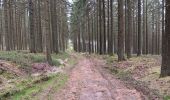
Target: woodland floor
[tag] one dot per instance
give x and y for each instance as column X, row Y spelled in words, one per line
column 84, row 77
column 88, row 81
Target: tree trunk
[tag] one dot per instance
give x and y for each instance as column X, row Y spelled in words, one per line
column 130, row 35
column 31, row 22
column 48, row 34
column 147, row 36
column 121, row 31
column 165, row 69
column 139, row 30
column 39, row 36
column 144, row 27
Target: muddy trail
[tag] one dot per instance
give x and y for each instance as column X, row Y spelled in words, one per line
column 89, row 81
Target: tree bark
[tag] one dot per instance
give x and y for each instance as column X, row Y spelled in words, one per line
column 121, row 31
column 130, row 35
column 165, row 69
column 139, row 30
column 48, row 34
column 32, row 30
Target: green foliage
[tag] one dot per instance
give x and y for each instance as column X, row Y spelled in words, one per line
column 110, row 59
column 26, row 59
column 167, row 98
column 61, row 55
column 22, row 58
column 26, row 89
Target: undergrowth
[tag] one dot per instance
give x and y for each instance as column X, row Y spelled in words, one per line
column 25, row 58
column 145, row 68
column 167, row 98
column 27, row 89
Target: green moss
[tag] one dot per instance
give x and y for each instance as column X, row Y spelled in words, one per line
column 58, row 85
column 27, row 89
column 25, row 94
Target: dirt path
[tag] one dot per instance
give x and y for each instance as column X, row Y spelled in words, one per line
column 88, row 81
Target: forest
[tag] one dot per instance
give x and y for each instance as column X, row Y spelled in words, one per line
column 84, row 49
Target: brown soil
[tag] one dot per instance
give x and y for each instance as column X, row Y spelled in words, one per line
column 89, row 81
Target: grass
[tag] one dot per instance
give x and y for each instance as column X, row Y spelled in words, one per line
column 61, row 55
column 28, row 89
column 24, row 58
column 110, row 59
column 167, row 98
